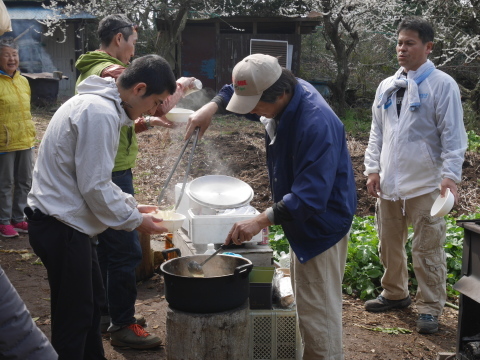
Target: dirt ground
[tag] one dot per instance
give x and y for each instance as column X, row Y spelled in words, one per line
column 236, row 148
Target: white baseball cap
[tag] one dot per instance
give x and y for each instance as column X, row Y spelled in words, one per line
column 251, row 77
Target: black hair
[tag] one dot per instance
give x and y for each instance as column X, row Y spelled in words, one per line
column 152, row 70
column 111, row 25
column 418, row 24
column 285, row 84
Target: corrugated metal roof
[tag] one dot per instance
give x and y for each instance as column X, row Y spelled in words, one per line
column 39, row 13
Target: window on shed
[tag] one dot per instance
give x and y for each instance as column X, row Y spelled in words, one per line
column 276, row 48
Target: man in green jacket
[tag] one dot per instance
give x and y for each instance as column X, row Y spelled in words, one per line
column 119, row 252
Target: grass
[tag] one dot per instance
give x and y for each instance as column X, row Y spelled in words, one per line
column 357, row 122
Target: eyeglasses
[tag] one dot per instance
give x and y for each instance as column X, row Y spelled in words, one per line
column 135, row 27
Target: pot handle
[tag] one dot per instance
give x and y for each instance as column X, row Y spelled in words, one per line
column 168, row 251
column 243, row 270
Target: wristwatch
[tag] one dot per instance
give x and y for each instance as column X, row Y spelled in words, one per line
column 147, row 121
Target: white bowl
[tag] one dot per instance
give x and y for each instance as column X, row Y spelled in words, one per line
column 443, row 205
column 172, row 223
column 179, row 115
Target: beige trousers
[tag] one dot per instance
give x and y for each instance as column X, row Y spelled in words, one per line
column 428, row 254
column 317, row 286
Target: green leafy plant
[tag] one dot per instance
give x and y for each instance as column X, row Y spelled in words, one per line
column 473, row 141
column 363, row 270
column 278, row 241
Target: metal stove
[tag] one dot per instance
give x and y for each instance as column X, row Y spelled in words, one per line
column 468, row 333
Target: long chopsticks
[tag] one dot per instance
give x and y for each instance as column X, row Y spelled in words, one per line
column 162, row 193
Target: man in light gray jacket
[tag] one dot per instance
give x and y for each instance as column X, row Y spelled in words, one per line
column 415, row 152
column 73, row 197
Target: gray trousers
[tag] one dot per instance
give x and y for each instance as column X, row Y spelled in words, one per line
column 15, row 182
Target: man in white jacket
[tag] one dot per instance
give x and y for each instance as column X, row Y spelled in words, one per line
column 73, row 197
column 415, row 152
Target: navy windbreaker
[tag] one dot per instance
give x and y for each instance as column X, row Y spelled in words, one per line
column 310, row 169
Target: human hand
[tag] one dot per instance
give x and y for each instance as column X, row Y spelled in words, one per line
column 201, row 118
column 149, row 226
column 449, row 183
column 186, row 82
column 373, row 185
column 147, row 208
column 162, row 121
column 245, row 230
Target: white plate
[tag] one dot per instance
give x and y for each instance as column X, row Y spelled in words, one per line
column 220, row 192
column 179, row 115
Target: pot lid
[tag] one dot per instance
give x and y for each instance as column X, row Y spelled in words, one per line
column 220, row 191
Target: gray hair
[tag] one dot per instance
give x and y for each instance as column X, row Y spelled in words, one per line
column 8, row 42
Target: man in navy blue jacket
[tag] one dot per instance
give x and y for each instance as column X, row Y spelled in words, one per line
column 312, row 184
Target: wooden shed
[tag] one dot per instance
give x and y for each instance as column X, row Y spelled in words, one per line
column 40, row 54
column 210, row 48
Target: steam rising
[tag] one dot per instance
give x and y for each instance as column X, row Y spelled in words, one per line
column 33, row 56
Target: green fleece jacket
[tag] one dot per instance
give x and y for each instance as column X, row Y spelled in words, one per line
column 93, row 63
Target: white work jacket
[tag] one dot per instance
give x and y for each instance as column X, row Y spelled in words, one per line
column 72, row 175
column 413, row 151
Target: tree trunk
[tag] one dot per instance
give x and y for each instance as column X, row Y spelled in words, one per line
column 214, row 336
column 146, row 269
column 475, row 98
column 334, row 33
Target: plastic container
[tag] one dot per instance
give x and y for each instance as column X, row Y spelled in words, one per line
column 172, row 221
column 179, row 115
column 443, row 205
column 197, row 85
column 284, row 260
column 169, row 245
column 264, row 237
column 261, row 290
column 204, row 229
column 210, row 249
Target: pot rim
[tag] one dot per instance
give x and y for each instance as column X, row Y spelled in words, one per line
column 247, row 262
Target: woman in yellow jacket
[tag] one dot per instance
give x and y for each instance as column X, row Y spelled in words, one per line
column 17, row 137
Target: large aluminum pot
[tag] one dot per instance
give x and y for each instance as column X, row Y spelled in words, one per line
column 224, row 287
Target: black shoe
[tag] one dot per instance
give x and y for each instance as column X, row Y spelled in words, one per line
column 381, row 304
column 427, row 324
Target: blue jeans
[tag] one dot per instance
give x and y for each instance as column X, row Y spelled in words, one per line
column 119, row 253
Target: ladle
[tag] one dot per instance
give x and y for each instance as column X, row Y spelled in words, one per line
column 196, row 269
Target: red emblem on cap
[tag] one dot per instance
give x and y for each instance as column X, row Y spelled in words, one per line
column 241, row 82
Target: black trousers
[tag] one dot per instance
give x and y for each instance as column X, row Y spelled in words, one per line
column 76, row 286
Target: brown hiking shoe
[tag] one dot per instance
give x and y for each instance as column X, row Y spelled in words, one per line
column 135, row 337
column 381, row 304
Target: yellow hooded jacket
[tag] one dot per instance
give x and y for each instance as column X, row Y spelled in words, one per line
column 17, row 130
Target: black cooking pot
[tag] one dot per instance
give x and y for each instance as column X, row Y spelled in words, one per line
column 224, row 287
